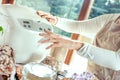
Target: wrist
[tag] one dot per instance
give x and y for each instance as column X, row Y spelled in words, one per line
column 80, row 45
column 77, row 45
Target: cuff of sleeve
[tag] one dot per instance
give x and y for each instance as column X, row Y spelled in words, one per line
column 59, row 21
column 85, row 51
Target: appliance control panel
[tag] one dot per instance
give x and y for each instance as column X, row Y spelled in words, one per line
column 39, row 26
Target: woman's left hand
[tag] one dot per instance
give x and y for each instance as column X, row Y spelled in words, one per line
column 49, row 17
column 58, row 41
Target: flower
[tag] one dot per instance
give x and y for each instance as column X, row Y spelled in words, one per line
column 83, row 76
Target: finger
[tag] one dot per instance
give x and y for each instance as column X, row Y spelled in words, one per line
column 39, row 12
column 50, row 18
column 43, row 35
column 50, row 46
column 51, row 34
column 44, row 41
column 42, row 13
column 48, row 32
column 49, row 41
column 45, row 16
column 53, row 46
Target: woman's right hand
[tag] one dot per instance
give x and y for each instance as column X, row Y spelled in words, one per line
column 58, row 41
column 50, row 18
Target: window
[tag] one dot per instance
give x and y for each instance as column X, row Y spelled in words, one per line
column 63, row 8
column 0, row 1
column 105, row 7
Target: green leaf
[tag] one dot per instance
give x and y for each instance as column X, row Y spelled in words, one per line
column 1, row 29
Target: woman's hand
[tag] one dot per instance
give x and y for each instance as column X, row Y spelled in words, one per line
column 52, row 19
column 58, row 41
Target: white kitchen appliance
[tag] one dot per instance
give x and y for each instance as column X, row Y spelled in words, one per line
column 23, row 33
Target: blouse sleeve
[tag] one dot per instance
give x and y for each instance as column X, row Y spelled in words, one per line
column 85, row 27
column 100, row 56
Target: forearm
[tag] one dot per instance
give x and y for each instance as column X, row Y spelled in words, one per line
column 86, row 27
column 78, row 26
column 106, row 58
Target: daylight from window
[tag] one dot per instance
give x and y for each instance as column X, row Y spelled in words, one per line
column 105, row 7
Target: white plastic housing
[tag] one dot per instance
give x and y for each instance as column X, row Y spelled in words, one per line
column 23, row 40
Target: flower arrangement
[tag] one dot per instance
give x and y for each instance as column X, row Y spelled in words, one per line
column 83, row 76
